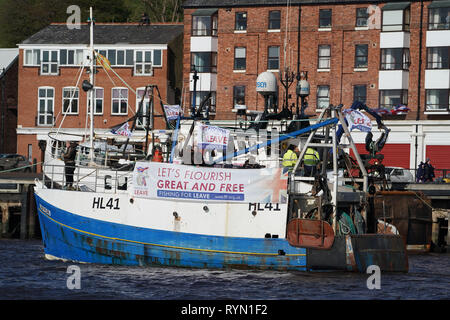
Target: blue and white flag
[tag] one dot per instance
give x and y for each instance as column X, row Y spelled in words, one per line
column 357, row 120
column 211, row 137
column 123, row 130
column 172, row 111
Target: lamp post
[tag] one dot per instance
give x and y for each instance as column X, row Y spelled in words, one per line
column 194, row 98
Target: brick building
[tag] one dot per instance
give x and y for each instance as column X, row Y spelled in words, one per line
column 8, row 100
column 383, row 53
column 50, row 65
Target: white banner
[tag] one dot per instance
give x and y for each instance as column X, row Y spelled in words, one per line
column 211, row 137
column 172, row 111
column 357, row 120
column 155, row 180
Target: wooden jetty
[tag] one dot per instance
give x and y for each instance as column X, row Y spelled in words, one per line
column 17, row 204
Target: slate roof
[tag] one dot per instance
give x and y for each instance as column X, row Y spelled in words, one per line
column 244, row 3
column 107, row 34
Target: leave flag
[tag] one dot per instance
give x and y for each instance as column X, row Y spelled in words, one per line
column 172, row 111
column 122, row 130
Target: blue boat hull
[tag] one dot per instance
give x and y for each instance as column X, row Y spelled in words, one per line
column 72, row 237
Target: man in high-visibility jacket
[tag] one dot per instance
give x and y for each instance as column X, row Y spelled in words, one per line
column 290, row 158
column 310, row 161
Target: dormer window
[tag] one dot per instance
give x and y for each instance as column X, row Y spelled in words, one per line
column 49, row 62
column 396, row 16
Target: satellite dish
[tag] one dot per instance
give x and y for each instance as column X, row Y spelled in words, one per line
column 266, row 83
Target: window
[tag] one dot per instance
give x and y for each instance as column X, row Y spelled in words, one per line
column 70, row 100
column 323, row 97
column 32, row 57
column 439, row 18
column 325, row 18
column 360, row 93
column 273, row 59
column 98, row 100
column 118, row 57
column 204, row 25
column 274, row 20
column 49, row 62
column 111, row 55
column 238, row 95
column 395, row 59
column 361, row 17
column 393, row 98
column 361, row 55
column 157, row 58
column 119, row 101
column 204, row 61
column 142, row 118
column 201, row 96
column 143, row 63
column 395, row 20
column 437, row 100
column 46, row 99
column 72, row 57
column 239, row 58
column 324, row 57
column 438, row 58
column 241, row 21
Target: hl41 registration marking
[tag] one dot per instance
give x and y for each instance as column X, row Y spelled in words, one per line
column 264, row 206
column 105, row 203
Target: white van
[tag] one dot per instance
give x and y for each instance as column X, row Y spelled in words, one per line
column 397, row 174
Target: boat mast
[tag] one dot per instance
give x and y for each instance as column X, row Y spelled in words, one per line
column 91, row 78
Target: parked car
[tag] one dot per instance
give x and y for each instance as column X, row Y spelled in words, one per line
column 398, row 175
column 12, row 161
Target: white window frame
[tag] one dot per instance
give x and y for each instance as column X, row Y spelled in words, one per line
column 35, row 57
column 322, row 97
column 73, row 97
column 144, row 63
column 146, row 106
column 324, row 61
column 78, row 57
column 120, row 99
column 95, row 100
column 49, row 63
column 46, row 113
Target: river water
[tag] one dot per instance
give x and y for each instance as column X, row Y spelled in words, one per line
column 25, row 274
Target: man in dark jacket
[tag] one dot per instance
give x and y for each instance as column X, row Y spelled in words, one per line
column 429, row 171
column 69, row 162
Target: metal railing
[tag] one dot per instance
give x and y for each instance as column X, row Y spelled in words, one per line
column 86, row 179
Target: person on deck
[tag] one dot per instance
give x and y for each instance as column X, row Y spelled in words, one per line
column 310, row 161
column 157, row 155
column 69, row 163
column 290, row 158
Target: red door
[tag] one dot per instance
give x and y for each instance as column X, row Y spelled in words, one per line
column 395, row 154
column 440, row 158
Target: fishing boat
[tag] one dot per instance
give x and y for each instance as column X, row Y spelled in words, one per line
column 212, row 204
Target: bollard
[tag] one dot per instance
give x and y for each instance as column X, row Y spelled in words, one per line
column 5, row 219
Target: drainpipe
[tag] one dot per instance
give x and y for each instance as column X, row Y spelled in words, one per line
column 298, row 50
column 419, row 85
